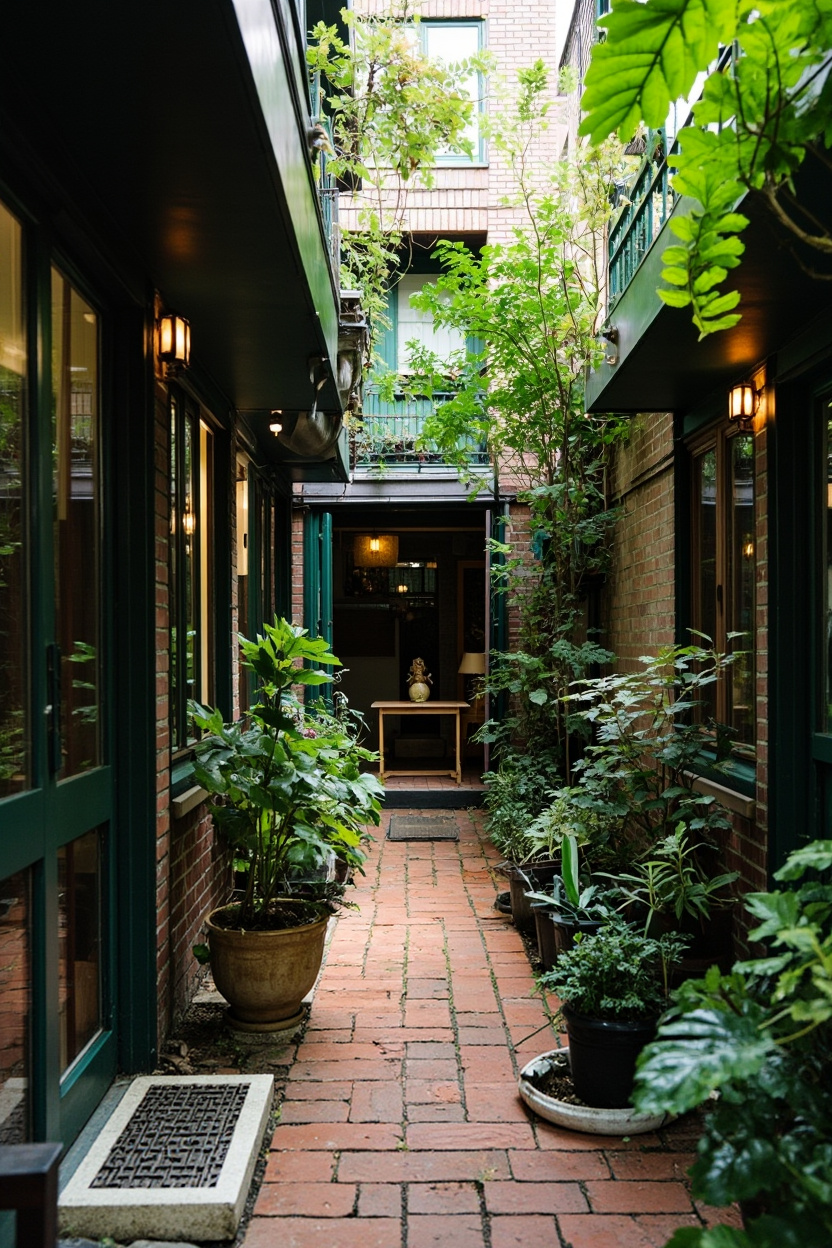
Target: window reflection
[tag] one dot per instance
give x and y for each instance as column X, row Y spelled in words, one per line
column 706, row 614
column 14, row 725
column 741, row 576
column 75, row 385
column 191, row 566
column 79, row 928
column 828, row 713
column 15, row 1008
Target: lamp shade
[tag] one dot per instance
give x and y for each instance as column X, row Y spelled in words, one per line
column 473, row 663
column 742, row 402
column 375, row 550
column 175, row 340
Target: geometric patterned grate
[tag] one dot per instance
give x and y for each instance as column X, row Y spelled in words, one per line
column 176, row 1137
column 423, row 828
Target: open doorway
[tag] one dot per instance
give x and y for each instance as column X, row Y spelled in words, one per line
column 428, row 601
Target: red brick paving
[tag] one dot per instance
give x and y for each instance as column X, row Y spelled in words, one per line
column 400, row 1119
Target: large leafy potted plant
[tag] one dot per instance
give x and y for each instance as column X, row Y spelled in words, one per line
column 755, row 1046
column 287, row 794
column 613, row 986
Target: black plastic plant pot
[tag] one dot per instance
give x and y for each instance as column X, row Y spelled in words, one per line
column 545, row 929
column 565, row 930
column 602, row 1056
column 527, row 879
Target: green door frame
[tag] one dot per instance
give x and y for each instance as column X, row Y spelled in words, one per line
column 317, row 584
column 38, row 822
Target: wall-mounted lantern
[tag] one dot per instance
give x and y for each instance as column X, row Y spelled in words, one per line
column 743, row 401
column 174, row 338
column 375, row 550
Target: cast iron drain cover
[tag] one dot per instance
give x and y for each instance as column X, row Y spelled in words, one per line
column 173, row 1161
column 177, row 1137
column 422, row 828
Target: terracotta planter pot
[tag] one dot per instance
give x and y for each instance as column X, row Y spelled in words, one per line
column 603, row 1056
column 264, row 976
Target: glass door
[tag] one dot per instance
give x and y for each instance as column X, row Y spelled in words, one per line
column 55, row 777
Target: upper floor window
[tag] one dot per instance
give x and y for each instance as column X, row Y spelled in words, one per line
column 724, row 570
column 414, row 325
column 451, row 43
column 191, row 566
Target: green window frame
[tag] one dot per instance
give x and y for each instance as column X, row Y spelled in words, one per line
column 723, row 571
column 192, row 566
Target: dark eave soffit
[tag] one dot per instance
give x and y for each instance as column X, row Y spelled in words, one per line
column 174, row 135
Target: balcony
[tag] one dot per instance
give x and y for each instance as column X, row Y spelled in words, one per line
column 390, row 435
column 328, row 188
column 649, row 202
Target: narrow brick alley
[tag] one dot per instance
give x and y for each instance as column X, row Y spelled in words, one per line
column 400, row 1122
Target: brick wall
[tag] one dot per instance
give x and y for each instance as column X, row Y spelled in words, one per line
column 639, row 599
column 640, row 613
column 192, row 874
column 468, row 199
column 162, row 531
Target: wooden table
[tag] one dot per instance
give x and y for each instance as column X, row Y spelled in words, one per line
column 420, row 708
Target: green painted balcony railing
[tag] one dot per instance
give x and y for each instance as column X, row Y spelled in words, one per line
column 389, row 434
column 648, row 201
column 328, row 189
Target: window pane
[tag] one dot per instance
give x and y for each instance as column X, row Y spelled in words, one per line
column 79, row 929
column 705, row 618
column 75, row 386
column 414, row 324
column 189, row 561
column 205, row 649
column 15, row 773
column 827, row 719
column 15, row 1008
column 741, row 573
column 450, row 43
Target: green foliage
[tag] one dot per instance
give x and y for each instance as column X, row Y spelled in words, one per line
column 562, row 820
column 515, row 793
column 671, row 880
column 764, row 112
column 534, row 302
column 287, row 787
column 651, row 740
column 392, row 110
column 617, row 974
column 762, row 1038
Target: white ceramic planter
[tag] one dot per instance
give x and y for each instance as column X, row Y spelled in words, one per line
column 579, row 1117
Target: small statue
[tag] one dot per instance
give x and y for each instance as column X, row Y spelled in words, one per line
column 419, row 681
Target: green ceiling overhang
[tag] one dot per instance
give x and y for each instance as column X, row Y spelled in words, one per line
column 173, row 136
column 661, row 365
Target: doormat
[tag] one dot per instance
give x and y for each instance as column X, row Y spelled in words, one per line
column 175, row 1158
column 422, row 828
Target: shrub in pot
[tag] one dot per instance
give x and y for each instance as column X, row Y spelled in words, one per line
column 755, row 1046
column 652, row 738
column 613, row 986
column 287, row 792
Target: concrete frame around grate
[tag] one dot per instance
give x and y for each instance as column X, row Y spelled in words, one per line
column 193, row 1213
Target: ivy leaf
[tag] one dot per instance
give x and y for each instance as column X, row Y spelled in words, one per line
column 650, row 58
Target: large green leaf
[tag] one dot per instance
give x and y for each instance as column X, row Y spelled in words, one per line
column 650, row 58
column 696, row 1054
